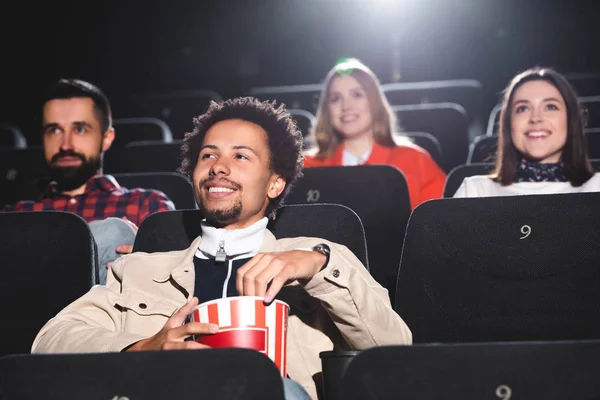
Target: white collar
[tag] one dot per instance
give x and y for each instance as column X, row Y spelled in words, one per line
column 237, row 243
column 349, row 159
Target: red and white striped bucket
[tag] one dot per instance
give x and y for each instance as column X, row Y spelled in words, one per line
column 245, row 322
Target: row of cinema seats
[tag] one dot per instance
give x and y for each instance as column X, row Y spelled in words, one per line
column 448, row 112
column 153, row 133
column 160, row 153
column 490, row 271
column 451, row 111
column 384, row 211
column 440, row 128
column 130, row 130
column 65, row 263
column 505, row 268
column 384, row 208
column 136, row 129
column 176, row 186
column 178, row 108
column 459, row 101
column 445, row 110
column 19, row 166
column 477, row 269
column 533, row 370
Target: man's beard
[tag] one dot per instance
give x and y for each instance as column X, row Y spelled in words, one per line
column 221, row 217
column 70, row 178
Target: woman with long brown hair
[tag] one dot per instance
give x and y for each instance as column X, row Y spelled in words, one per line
column 541, row 145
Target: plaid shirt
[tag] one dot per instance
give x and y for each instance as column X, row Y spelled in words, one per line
column 103, row 198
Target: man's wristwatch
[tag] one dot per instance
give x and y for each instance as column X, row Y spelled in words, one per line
column 325, row 250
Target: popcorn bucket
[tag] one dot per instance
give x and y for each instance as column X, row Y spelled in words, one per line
column 245, row 322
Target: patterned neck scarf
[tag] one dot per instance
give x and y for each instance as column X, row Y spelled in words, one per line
column 538, row 172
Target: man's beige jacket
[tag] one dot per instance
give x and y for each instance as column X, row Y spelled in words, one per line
column 342, row 306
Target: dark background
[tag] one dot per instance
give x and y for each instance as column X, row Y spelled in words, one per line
column 230, row 46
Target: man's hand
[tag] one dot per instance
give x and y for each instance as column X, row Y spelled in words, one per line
column 172, row 336
column 276, row 269
column 125, row 248
column 131, row 224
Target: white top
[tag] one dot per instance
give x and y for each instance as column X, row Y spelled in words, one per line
column 349, row 159
column 483, row 186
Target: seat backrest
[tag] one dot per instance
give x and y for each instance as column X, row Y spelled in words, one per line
column 448, row 122
column 458, row 174
column 175, row 230
column 49, row 259
column 11, row 137
column 592, row 106
column 22, row 164
column 502, row 269
column 152, row 375
column 305, row 122
column 476, row 371
column 493, row 126
column 304, row 97
column 428, row 142
column 133, row 129
column 466, row 92
column 17, row 166
column 482, row 149
column 173, row 184
column 593, row 143
column 176, row 108
column 146, row 156
column 378, row 194
column 585, row 83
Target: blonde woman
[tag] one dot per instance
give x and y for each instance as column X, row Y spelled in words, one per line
column 355, row 126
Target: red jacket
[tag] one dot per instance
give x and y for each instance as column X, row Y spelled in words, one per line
column 424, row 178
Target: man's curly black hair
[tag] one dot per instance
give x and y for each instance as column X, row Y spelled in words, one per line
column 284, row 138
